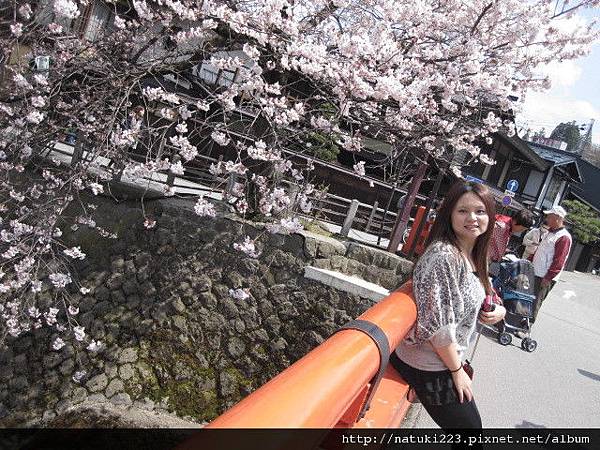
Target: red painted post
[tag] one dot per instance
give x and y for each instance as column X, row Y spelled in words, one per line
column 404, row 215
column 419, row 217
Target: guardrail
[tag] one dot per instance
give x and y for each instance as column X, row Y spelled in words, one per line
column 328, row 387
column 354, row 214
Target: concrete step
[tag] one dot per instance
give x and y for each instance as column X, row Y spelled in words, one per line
column 346, row 283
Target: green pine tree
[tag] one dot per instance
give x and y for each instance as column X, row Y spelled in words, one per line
column 569, row 133
column 586, row 221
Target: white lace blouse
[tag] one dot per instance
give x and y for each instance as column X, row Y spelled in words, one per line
column 448, row 297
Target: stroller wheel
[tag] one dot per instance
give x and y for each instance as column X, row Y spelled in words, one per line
column 504, row 338
column 529, row 345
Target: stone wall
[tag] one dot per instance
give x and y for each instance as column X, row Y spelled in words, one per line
column 175, row 340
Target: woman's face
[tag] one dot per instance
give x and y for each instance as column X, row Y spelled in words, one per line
column 469, row 218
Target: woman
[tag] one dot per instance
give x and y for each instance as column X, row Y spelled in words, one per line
column 450, row 283
column 532, row 240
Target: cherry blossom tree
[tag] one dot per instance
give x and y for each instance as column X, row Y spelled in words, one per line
column 161, row 82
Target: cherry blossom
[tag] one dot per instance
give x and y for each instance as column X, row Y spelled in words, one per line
column 36, row 286
column 66, row 8
column 239, row 294
column 55, row 28
column 305, row 204
column 58, row 344
column 241, row 206
column 25, row 11
column 38, row 101
column 74, row 252
column 94, row 346
column 120, row 23
column 149, row 223
column 291, row 225
column 60, row 280
column 181, row 128
column 220, row 138
column 259, row 151
column 79, row 375
column 485, row 159
column 177, row 168
column 286, row 226
column 34, row 312
column 247, row 247
column 359, row 168
column 79, row 333
column 50, row 316
column 96, row 188
column 244, row 84
column 34, row 117
column 16, row 29
column 204, row 208
column 186, row 149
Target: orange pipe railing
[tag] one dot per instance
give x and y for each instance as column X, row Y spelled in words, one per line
column 327, row 387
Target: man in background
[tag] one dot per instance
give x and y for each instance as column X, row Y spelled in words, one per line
column 551, row 256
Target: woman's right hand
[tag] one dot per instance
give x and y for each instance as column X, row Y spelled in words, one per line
column 462, row 384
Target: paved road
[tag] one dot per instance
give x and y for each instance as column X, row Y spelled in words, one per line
column 558, row 385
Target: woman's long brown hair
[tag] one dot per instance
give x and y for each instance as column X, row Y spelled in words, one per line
column 442, row 227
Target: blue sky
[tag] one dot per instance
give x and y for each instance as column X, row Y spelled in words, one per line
column 575, row 94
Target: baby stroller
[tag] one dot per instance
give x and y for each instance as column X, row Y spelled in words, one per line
column 514, row 281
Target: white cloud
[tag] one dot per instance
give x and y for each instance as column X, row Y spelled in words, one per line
column 574, row 94
column 563, row 74
column 570, row 23
column 546, row 110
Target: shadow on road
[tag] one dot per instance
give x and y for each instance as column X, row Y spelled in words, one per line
column 591, row 375
column 526, row 424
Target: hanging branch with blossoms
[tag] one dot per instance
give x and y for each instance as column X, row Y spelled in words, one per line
column 159, row 84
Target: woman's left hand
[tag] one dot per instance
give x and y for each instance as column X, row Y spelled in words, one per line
column 492, row 317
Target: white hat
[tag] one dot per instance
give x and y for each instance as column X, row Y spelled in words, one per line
column 558, row 210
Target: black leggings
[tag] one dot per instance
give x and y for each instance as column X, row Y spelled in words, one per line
column 437, row 394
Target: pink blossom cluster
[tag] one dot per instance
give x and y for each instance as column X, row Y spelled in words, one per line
column 204, row 208
column 274, row 201
column 247, row 247
column 286, row 225
column 239, row 294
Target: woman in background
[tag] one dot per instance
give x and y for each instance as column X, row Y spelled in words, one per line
column 532, row 240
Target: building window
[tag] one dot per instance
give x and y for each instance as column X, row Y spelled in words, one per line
column 213, row 75
column 96, row 18
column 94, row 21
column 552, row 192
column 534, row 183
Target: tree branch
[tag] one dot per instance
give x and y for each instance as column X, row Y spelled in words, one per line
column 483, row 13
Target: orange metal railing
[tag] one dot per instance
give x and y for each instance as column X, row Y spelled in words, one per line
column 328, row 386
